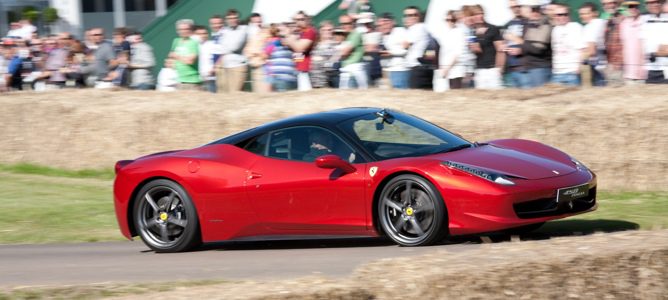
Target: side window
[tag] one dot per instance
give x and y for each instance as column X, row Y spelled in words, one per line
column 258, row 145
column 307, row 143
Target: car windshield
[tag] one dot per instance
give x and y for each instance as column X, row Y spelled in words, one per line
column 388, row 135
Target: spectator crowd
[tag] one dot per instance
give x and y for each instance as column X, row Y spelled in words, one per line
column 363, row 48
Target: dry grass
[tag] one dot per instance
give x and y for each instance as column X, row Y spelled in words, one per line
column 619, row 132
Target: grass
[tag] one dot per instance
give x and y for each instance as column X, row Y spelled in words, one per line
column 46, row 205
column 26, row 168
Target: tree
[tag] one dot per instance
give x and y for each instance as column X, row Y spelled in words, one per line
column 30, row 13
column 50, row 15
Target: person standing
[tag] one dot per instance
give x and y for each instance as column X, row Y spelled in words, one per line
column 594, row 37
column 301, row 45
column 205, row 59
column 452, row 63
column 535, row 46
column 514, row 62
column 393, row 51
column 322, row 71
column 142, row 61
column 280, row 65
column 488, row 48
column 352, row 52
column 654, row 31
column 418, row 40
column 185, row 50
column 567, row 48
column 630, row 31
column 232, row 67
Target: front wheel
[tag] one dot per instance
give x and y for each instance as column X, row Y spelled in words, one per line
column 165, row 217
column 412, row 212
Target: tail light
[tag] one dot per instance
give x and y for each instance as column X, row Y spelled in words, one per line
column 120, row 164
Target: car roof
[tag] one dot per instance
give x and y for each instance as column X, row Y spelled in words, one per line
column 325, row 119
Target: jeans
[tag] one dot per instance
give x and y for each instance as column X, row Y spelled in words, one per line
column 537, row 77
column 568, row 79
column 399, row 79
column 210, row 86
column 597, row 77
column 518, row 79
column 282, row 85
column 144, row 87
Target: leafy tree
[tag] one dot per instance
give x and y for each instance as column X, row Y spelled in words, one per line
column 30, row 13
column 50, row 15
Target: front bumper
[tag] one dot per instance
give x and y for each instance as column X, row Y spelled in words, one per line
column 527, row 202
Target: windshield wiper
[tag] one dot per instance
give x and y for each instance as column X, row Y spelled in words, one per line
column 460, row 147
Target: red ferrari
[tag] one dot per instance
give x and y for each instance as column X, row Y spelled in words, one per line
column 347, row 172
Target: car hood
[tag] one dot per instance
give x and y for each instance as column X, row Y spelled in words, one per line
column 509, row 162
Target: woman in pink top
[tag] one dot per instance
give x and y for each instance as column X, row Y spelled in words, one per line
column 630, row 34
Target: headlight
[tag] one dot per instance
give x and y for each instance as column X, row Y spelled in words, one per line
column 579, row 165
column 493, row 177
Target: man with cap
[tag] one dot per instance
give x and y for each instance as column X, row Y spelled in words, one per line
column 630, row 31
column 393, row 51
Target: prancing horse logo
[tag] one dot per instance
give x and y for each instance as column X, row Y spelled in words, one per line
column 372, row 171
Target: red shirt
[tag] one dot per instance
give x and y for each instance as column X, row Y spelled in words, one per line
column 303, row 60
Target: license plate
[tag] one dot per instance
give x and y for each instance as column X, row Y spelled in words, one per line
column 572, row 193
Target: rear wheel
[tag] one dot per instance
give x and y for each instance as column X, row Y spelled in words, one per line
column 165, row 217
column 412, row 212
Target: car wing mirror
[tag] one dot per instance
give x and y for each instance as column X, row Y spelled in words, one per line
column 331, row 161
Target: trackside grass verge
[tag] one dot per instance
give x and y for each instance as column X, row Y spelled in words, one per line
column 26, row 168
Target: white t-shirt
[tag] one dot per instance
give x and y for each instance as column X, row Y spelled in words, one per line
column 394, row 43
column 655, row 34
column 205, row 59
column 419, row 39
column 567, row 45
column 594, row 32
column 453, row 43
column 167, row 80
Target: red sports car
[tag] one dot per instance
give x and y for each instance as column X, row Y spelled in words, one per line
column 347, row 172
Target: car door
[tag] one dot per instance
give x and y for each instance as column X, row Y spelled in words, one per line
column 291, row 195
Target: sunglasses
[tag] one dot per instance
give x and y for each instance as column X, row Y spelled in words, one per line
column 449, row 20
column 651, row 2
column 96, row 34
column 346, row 23
column 634, row 6
column 410, row 15
column 515, row 6
column 562, row 15
column 298, row 19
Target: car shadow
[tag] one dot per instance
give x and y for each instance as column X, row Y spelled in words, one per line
column 298, row 244
column 553, row 229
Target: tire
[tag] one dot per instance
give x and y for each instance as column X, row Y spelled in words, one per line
column 165, row 217
column 416, row 220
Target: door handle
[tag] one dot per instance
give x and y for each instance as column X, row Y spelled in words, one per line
column 253, row 175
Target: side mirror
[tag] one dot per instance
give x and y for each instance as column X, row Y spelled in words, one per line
column 331, row 161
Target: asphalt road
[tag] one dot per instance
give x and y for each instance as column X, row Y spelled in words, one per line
column 88, row 263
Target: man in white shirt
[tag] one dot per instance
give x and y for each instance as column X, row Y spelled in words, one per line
column 205, row 59
column 594, row 37
column 567, row 47
column 393, row 51
column 655, row 42
column 232, row 66
column 418, row 39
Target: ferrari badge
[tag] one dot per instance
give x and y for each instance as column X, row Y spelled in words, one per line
column 372, row 171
